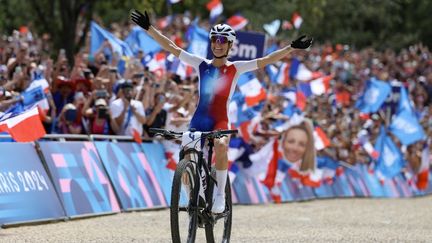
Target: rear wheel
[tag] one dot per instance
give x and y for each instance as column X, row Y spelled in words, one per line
column 220, row 231
column 184, row 218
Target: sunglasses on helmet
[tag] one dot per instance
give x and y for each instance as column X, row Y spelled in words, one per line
column 219, row 39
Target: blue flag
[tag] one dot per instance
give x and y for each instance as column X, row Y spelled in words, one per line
column 139, row 39
column 407, row 128
column 198, row 40
column 99, row 35
column 405, row 125
column 390, row 160
column 404, row 101
column 376, row 92
column 32, row 96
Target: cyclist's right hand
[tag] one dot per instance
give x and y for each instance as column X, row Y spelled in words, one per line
column 141, row 19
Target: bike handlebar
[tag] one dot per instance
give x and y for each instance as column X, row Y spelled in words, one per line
column 172, row 134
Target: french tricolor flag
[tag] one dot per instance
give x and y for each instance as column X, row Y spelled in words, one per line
column 216, row 8
column 156, row 63
column 313, row 178
column 252, row 89
column 237, row 22
column 321, row 85
column 422, row 179
column 297, row 20
column 321, row 139
column 282, row 76
column 299, row 71
column 23, row 127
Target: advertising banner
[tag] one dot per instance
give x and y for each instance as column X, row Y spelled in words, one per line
column 157, row 167
column 248, row 45
column 248, row 190
column 79, row 176
column 355, row 180
column 131, row 175
column 26, row 192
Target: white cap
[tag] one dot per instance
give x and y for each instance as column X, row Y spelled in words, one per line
column 100, row 102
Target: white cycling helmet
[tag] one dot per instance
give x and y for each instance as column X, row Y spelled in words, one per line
column 223, row 30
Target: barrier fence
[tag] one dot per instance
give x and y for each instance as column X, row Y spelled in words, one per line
column 56, row 180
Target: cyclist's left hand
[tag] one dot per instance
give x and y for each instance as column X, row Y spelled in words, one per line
column 299, row 43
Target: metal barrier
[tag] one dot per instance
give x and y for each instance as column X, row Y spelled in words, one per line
column 83, row 137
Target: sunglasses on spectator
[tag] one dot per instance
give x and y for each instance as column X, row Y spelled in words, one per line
column 219, row 39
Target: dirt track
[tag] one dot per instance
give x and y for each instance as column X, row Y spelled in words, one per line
column 336, row 220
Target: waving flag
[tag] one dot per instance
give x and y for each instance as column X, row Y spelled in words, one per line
column 299, row 71
column 23, row 126
column 406, row 128
column 321, row 139
column 422, row 179
column 305, row 88
column 216, row 8
column 313, row 178
column 404, row 101
column 138, row 39
column 295, row 115
column 251, row 88
column 273, row 27
column 405, row 125
column 363, row 140
column 99, row 35
column 44, row 86
column 321, row 85
column 297, row 20
column 375, row 94
column 390, row 161
column 198, row 40
column 156, row 63
column 329, row 167
column 282, row 75
column 301, row 100
column 237, row 22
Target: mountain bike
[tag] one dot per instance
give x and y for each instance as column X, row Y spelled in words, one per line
column 193, row 187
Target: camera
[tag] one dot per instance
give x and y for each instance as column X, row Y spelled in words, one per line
column 138, row 75
column 71, row 115
column 155, row 85
column 102, row 112
column 101, row 93
column 113, row 69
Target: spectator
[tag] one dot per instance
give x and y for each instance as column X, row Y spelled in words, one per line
column 128, row 114
column 99, row 116
column 157, row 115
column 67, row 120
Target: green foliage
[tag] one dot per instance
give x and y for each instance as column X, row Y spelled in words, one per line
column 377, row 23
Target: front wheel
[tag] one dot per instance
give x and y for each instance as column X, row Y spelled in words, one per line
column 184, row 217
column 220, row 231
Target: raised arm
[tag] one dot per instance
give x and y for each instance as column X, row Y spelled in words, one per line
column 143, row 21
column 275, row 56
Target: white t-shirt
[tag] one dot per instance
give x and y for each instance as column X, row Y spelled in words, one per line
column 117, row 107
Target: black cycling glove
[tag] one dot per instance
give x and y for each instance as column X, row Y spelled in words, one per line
column 141, row 19
column 301, row 44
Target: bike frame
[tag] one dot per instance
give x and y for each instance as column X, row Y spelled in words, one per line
column 203, row 180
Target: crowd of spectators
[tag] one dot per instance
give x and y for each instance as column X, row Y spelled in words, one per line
column 92, row 97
